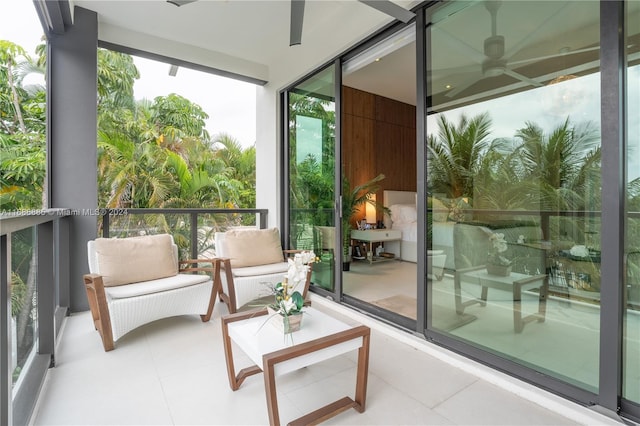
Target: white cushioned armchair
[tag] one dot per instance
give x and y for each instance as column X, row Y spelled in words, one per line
column 250, row 261
column 134, row 281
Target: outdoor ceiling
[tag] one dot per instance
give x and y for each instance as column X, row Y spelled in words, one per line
column 251, row 38
column 245, row 37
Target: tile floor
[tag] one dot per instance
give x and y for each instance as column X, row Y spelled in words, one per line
column 172, row 372
column 565, row 345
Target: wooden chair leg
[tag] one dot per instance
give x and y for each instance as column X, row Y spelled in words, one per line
column 99, row 309
column 229, row 299
column 216, row 290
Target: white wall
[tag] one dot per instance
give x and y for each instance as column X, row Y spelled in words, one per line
column 298, row 62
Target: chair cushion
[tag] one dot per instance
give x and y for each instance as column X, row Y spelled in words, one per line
column 155, row 286
column 250, row 271
column 136, row 259
column 253, row 247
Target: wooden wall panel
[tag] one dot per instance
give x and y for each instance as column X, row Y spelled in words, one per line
column 358, row 103
column 379, row 136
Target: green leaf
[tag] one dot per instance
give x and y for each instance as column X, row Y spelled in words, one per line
column 297, row 298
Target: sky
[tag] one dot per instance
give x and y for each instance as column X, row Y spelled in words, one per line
column 230, row 104
column 549, row 106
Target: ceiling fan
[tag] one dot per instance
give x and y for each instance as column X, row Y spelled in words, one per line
column 297, row 14
column 493, row 63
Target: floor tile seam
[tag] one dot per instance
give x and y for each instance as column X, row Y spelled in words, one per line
column 540, row 397
column 158, row 377
column 400, row 391
column 457, row 392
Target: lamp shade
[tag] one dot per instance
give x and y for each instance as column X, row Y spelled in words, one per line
column 370, row 211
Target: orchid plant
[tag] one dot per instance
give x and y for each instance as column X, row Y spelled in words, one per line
column 498, row 246
column 288, row 299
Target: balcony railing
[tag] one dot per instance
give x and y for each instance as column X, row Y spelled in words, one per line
column 34, row 296
column 34, row 247
column 192, row 229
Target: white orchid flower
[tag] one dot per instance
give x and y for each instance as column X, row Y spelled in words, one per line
column 287, row 305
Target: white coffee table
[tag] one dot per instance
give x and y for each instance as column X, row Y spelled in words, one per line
column 515, row 283
column 321, row 337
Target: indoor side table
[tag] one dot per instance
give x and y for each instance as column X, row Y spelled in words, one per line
column 372, row 236
column 321, row 337
column 515, row 283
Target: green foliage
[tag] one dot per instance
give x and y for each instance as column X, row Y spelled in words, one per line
column 18, row 294
column 22, row 171
column 116, row 76
column 456, row 155
column 176, row 116
column 353, row 199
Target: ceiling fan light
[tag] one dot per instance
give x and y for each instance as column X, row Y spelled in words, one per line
column 561, row 78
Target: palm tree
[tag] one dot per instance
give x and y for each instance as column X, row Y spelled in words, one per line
column 131, row 175
column 352, row 200
column 241, row 163
column 563, row 164
column 455, row 156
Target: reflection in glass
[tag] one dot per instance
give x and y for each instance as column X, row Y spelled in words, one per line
column 631, row 344
column 312, row 172
column 24, row 288
column 513, row 141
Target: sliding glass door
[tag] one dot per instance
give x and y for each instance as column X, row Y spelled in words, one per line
column 513, row 179
column 631, row 343
column 312, row 173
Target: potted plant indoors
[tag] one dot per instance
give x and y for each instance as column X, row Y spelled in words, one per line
column 352, row 200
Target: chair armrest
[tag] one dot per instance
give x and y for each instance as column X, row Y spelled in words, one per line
column 94, row 281
column 292, row 251
column 183, row 266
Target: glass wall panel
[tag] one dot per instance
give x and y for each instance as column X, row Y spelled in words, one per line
column 513, row 181
column 312, row 172
column 379, row 176
column 24, row 317
column 631, row 366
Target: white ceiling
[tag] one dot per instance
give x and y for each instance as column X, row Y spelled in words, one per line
column 246, row 37
column 251, row 38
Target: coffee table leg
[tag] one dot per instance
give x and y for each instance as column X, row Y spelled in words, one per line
column 458, row 294
column 235, row 380
column 272, row 398
column 362, row 374
column 542, row 301
column 330, row 410
column 228, row 354
column 517, row 308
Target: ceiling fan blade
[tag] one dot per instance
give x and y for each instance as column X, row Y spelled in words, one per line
column 541, row 28
column 180, row 2
column 555, row 55
column 391, row 9
column 297, row 17
column 459, row 46
column 521, row 77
